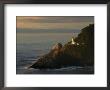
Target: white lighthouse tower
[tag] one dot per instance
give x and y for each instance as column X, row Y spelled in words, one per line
column 72, row 41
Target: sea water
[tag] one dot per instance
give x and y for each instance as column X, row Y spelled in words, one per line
column 33, row 44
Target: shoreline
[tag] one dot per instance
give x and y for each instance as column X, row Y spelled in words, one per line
column 77, row 70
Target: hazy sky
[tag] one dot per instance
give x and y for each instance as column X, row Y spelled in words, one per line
column 53, row 22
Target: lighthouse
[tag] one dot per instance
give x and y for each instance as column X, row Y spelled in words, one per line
column 72, row 41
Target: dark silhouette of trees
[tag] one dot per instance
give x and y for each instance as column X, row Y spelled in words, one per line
column 86, row 41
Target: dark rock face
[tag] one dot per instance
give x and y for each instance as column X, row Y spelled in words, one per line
column 56, row 58
column 49, row 60
column 57, row 46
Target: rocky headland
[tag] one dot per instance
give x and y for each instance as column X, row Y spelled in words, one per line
column 79, row 53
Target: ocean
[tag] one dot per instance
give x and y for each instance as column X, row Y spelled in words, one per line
column 32, row 44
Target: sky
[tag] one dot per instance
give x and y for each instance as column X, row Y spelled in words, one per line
column 53, row 22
